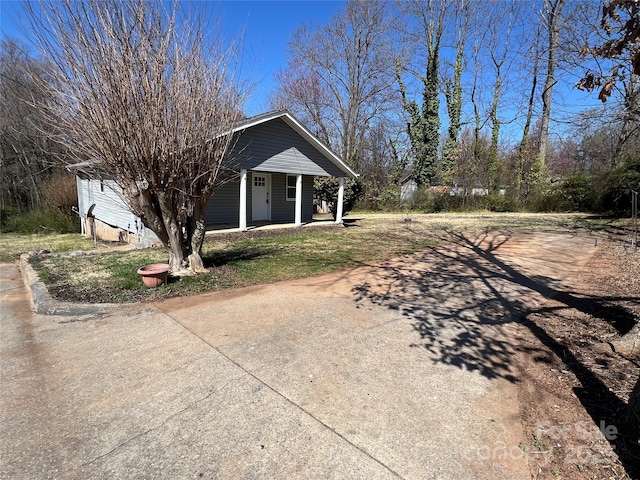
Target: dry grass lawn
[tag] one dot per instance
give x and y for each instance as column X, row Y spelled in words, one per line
column 260, row 256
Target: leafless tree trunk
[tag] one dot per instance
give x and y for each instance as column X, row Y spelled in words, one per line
column 24, row 149
column 453, row 87
column 138, row 89
column 500, row 44
column 630, row 116
column 629, row 345
column 552, row 19
column 523, row 148
column 477, row 124
column 340, row 76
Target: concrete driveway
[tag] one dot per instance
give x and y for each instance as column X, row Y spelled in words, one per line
column 400, row 370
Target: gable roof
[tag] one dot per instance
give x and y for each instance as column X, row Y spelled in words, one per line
column 248, row 123
column 301, row 130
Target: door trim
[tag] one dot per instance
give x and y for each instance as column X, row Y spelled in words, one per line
column 268, row 182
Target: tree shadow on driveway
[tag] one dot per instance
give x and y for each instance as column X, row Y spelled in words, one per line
column 467, row 302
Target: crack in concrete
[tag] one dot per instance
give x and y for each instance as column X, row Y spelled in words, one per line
column 12, row 289
column 164, row 422
column 291, row 402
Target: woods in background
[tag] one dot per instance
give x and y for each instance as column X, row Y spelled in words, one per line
column 479, row 97
column 455, row 104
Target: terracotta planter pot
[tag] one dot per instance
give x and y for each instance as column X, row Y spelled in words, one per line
column 155, row 274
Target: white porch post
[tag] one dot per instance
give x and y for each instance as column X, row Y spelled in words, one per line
column 298, row 218
column 340, row 201
column 243, row 200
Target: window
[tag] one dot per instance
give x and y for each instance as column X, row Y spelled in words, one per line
column 291, row 188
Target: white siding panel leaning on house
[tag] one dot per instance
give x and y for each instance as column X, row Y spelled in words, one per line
column 110, row 207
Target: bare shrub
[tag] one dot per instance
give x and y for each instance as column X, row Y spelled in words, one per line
column 144, row 93
column 59, row 191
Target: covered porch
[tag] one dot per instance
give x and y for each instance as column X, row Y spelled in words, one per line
column 275, row 160
column 294, row 190
column 319, row 220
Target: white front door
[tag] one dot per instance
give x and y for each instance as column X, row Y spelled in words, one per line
column 260, row 193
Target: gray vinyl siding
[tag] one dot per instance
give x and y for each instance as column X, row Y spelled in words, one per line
column 281, row 210
column 224, row 205
column 307, row 199
column 271, row 147
column 275, row 147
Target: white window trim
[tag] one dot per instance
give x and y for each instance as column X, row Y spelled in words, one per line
column 293, row 188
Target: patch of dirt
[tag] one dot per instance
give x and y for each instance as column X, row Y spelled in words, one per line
column 575, row 388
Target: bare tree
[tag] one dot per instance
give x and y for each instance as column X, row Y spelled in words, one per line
column 453, row 85
column 503, row 48
column 303, row 91
column 630, row 115
column 552, row 19
column 340, row 75
column 604, row 51
column 377, row 162
column 525, row 142
column 621, row 23
column 475, row 97
column 423, row 34
column 149, row 96
column 25, row 152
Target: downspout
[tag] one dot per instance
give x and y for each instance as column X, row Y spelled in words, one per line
column 83, row 227
column 339, row 206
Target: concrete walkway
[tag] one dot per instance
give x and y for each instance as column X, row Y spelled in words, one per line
column 394, row 371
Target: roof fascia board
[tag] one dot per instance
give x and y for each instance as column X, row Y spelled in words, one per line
column 257, row 120
column 289, row 120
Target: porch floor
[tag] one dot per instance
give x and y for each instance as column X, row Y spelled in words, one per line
column 318, row 220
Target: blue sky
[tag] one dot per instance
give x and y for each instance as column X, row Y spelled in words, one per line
column 267, row 27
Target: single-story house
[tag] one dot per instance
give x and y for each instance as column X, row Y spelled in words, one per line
column 276, row 159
